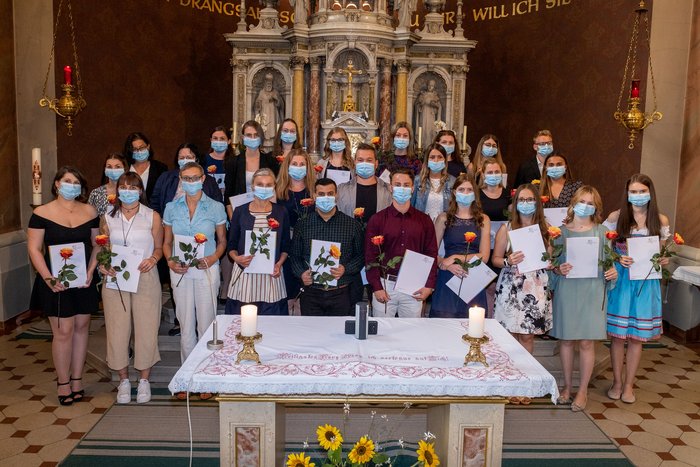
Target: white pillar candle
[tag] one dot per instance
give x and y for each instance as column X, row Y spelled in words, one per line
column 234, row 132
column 249, row 320
column 476, row 321
column 420, row 137
column 464, row 137
column 36, row 176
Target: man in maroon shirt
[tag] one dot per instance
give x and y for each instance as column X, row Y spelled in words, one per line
column 403, row 228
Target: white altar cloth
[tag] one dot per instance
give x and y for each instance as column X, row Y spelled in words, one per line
column 304, row 355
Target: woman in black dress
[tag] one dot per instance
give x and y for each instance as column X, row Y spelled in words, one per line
column 65, row 220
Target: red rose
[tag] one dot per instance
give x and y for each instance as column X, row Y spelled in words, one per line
column 66, row 253
column 677, row 239
column 200, row 238
column 272, row 223
column 318, row 169
column 306, row 202
column 544, row 199
column 378, row 240
column 280, row 158
column 102, row 240
column 611, row 235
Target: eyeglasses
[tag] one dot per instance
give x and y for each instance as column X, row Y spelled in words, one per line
column 191, row 179
column 188, row 157
column 142, row 148
column 526, row 200
column 546, row 143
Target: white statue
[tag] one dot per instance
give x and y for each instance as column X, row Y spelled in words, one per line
column 405, row 9
column 268, row 105
column 428, row 111
column 300, row 12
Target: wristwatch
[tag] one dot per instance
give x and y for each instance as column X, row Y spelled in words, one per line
column 505, row 262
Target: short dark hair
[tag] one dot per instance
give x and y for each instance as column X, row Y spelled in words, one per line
column 192, row 147
column 325, row 181
column 77, row 174
column 401, row 170
column 366, row 147
column 132, row 179
column 128, row 149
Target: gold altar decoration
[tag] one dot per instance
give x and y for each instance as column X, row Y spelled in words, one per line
column 634, row 119
column 475, row 354
column 248, row 352
column 71, row 102
column 349, row 102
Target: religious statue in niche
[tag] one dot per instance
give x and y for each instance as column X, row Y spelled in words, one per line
column 428, row 110
column 405, row 9
column 269, row 108
column 300, row 10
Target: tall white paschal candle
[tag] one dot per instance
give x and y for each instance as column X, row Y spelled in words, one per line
column 249, row 320
column 464, row 138
column 477, row 317
column 36, row 176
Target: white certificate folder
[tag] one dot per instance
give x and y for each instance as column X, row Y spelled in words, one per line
column 641, row 249
column 529, row 241
column 414, row 272
column 582, row 254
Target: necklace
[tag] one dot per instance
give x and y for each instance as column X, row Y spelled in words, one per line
column 125, row 235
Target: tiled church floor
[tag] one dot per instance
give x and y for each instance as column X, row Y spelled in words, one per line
column 661, row 428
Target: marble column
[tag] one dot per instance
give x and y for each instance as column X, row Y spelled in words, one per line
column 385, row 105
column 402, row 89
column 297, row 65
column 314, row 105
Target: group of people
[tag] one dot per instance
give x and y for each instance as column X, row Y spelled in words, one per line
column 193, row 234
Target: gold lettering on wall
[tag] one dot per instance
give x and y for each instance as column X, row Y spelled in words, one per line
column 517, row 8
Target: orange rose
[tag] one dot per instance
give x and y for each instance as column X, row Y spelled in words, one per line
column 272, row 223
column 375, row 141
column 335, row 251
column 306, row 202
column 111, row 199
column 544, row 199
column 469, row 237
column 359, row 212
column 318, row 169
column 378, row 240
column 280, row 158
column 611, row 235
column 211, row 169
column 677, row 239
column 200, row 238
column 102, row 240
column 535, row 182
column 66, row 253
column 554, row 232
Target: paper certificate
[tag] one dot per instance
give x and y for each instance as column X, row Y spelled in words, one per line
column 504, row 180
column 641, row 249
column 73, row 258
column 478, row 279
column 555, row 216
column 128, row 259
column 192, row 273
column 219, row 180
column 240, row 200
column 321, row 254
column 495, row 225
column 414, row 272
column 338, row 176
column 582, row 253
column 264, row 257
column 386, row 177
column 529, row 241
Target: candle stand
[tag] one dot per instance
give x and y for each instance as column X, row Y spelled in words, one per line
column 248, row 352
column 475, row 354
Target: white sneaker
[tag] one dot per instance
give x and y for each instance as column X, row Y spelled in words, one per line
column 124, row 392
column 143, row 393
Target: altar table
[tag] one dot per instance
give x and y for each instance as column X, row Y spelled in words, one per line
column 311, row 360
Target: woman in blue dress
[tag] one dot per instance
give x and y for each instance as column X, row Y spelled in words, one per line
column 634, row 306
column 463, row 215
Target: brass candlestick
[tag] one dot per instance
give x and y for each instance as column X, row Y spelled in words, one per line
column 475, row 354
column 248, row 352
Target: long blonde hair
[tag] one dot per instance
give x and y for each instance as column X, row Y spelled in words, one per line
column 347, row 152
column 284, row 180
column 597, row 217
column 478, row 158
column 424, row 177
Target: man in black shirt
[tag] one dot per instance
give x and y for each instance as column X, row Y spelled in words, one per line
column 365, row 190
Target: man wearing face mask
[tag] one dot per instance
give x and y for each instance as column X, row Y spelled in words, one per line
column 402, row 227
column 532, row 168
column 366, row 190
column 329, row 224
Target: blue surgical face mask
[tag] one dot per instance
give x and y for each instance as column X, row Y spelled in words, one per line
column 182, row 162
column 325, row 203
column 449, row 148
column 488, row 151
column 584, row 210
column 69, row 191
column 251, row 143
column 465, row 199
column 128, row 196
column 140, row 156
column 114, row 174
column 545, row 150
column 263, row 192
column 639, row 199
column 401, row 194
column 337, row 146
column 400, row 143
column 297, row 172
column 219, row 146
column 364, row 169
column 192, row 188
column 493, row 179
column 288, row 138
column 526, row 208
column 556, row 172
column 436, row 166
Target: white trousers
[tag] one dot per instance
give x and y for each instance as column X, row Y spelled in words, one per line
column 195, row 306
column 399, row 303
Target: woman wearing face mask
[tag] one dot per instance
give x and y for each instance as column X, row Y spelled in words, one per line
column 65, row 220
column 402, row 153
column 221, row 151
column 495, row 200
column 448, row 140
column 487, row 149
column 558, row 184
column 433, row 187
column 337, row 154
column 132, row 224
column 287, row 138
column 463, row 215
column 239, row 172
column 195, row 293
column 261, row 215
column 578, row 307
column 115, row 166
column 522, row 300
column 634, row 307
column 139, row 154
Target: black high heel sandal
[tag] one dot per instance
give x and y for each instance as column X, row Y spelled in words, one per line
column 68, row 398
column 77, row 395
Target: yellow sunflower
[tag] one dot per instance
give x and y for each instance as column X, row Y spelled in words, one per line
column 329, row 437
column 362, row 452
column 299, row 460
column 426, row 454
